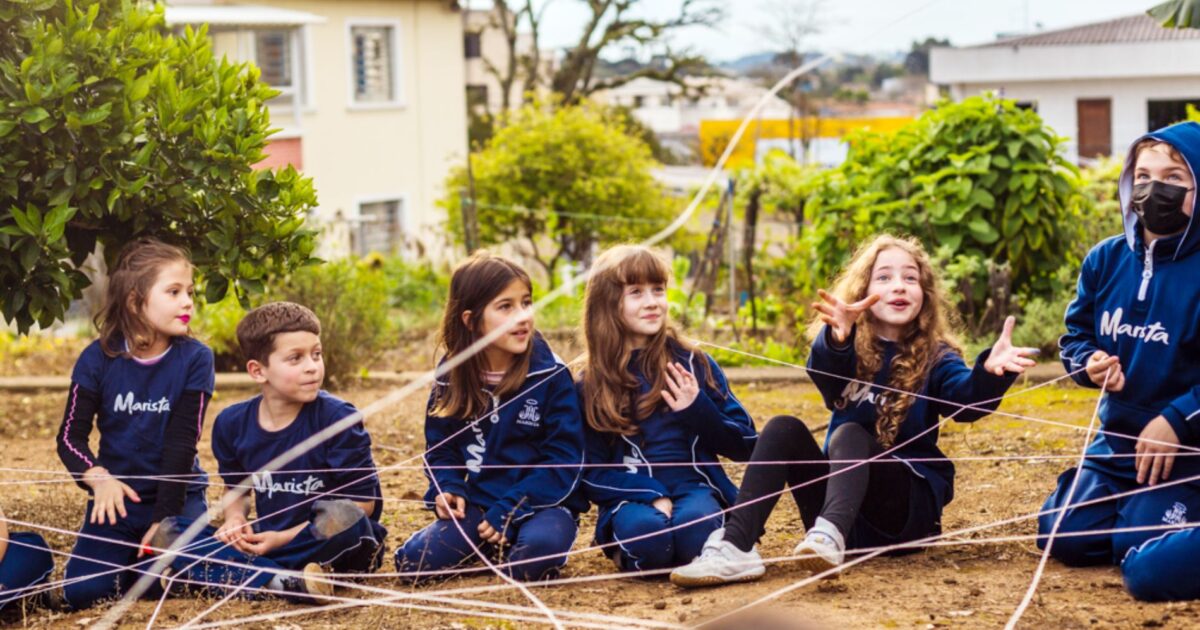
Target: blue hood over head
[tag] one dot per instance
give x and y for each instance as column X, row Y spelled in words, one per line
column 1185, row 138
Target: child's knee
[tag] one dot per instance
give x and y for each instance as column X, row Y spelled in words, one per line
column 1141, row 579
column 1079, row 551
column 334, row 517
column 87, row 593
column 780, row 426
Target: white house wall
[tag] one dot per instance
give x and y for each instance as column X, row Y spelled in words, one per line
column 1056, row 102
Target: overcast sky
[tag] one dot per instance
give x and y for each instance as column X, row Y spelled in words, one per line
column 859, row 26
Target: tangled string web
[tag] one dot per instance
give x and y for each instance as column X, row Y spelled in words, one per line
column 462, row 601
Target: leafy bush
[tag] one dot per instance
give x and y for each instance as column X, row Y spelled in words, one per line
column 351, row 298
column 417, row 291
column 982, row 177
column 352, row 301
column 112, row 128
column 563, row 179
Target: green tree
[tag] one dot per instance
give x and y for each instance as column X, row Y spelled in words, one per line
column 567, row 175
column 981, row 179
column 112, row 128
column 1177, row 13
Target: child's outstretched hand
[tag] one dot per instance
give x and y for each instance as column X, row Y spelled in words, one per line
column 1105, row 371
column 108, row 496
column 1005, row 357
column 682, row 385
column 840, row 316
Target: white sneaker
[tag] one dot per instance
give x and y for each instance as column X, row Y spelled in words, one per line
column 720, row 562
column 823, row 548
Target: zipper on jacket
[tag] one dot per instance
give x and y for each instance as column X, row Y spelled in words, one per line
column 1147, row 271
column 495, row 408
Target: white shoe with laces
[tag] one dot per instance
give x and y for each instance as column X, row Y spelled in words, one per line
column 719, row 562
column 823, row 548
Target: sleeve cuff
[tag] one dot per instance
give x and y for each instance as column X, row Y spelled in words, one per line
column 700, row 409
column 1180, row 424
column 833, row 346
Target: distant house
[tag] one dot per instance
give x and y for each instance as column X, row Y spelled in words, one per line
column 372, row 106
column 1101, row 85
column 662, row 106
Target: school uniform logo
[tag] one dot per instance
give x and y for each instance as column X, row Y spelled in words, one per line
column 529, row 416
column 264, row 483
column 126, row 403
column 1112, row 326
column 1176, row 514
column 475, row 451
column 858, row 393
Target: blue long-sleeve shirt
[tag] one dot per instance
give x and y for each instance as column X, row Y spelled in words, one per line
column 492, row 462
column 949, row 380
column 1140, row 303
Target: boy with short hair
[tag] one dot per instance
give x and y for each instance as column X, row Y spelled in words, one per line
column 1133, row 330
column 317, row 513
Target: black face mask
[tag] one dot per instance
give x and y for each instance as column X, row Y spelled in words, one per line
column 1160, row 206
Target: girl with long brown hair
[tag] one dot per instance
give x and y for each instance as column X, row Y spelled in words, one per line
column 145, row 384
column 884, row 325
column 504, row 436
column 658, row 413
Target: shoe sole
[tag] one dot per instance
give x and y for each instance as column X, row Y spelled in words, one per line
column 712, row 580
column 818, row 565
column 315, row 581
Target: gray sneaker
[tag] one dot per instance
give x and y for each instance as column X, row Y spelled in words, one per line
column 720, row 562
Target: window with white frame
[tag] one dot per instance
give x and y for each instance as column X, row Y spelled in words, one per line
column 373, row 61
column 278, row 57
column 380, row 227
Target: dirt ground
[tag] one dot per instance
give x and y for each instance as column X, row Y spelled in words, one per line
column 958, row 585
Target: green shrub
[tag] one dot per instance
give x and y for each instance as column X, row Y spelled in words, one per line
column 416, row 292
column 216, row 325
column 352, row 300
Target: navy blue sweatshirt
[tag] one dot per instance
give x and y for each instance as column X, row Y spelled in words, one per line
column 150, row 415
column 950, row 380
column 489, row 461
column 1142, row 304
column 338, row 468
column 691, row 439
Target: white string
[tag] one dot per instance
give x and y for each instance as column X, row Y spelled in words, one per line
column 1041, row 566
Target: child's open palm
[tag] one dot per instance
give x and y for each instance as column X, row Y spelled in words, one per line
column 682, row 387
column 840, row 316
column 1005, row 357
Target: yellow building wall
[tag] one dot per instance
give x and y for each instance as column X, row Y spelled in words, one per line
column 716, row 134
column 356, row 154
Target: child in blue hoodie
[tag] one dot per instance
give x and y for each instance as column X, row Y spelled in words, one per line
column 144, row 385
column 1133, row 328
column 658, row 413
column 884, row 325
column 504, row 437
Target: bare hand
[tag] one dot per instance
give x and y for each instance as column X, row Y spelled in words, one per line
column 108, row 496
column 840, row 316
column 1101, row 363
column 234, row 531
column 664, row 505
column 490, row 535
column 1005, row 357
column 262, row 543
column 446, row 504
column 1156, row 448
column 682, row 385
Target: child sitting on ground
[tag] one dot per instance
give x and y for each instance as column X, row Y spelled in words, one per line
column 317, row 513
